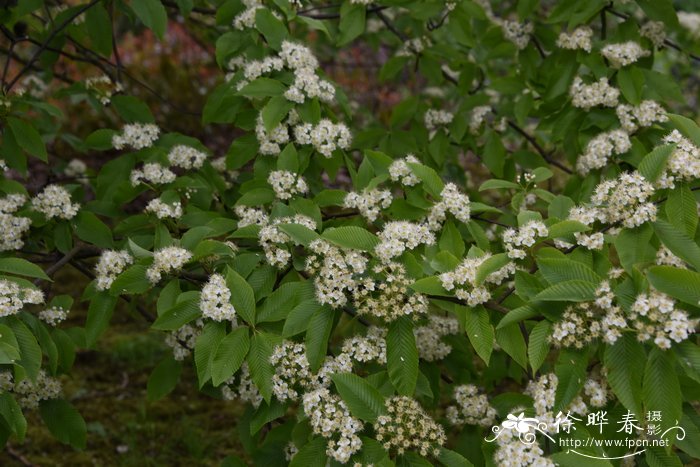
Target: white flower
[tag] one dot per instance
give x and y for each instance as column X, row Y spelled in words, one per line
column 472, row 408
column 644, row 115
column 477, row 117
column 153, row 173
column 399, row 171
column 111, row 264
column 136, row 136
column 325, row 137
column 436, row 118
column 406, row 426
column 517, row 33
column 655, row 32
column 54, row 201
column 515, row 240
column 215, row 300
column 624, row 53
column 454, row 202
column 586, row 96
column 600, row 148
column 54, row 315
column 13, row 297
column 166, row 260
column 428, row 338
column 186, row 157
column 287, row 184
column 163, row 210
column 399, row 236
column 370, row 202
column 579, row 38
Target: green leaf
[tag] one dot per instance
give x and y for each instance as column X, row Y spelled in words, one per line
column 230, row 355
column 64, row 422
column 352, row 22
column 163, row 379
column 312, row 454
column 633, row 246
column 298, row 233
column 491, row 265
column 678, row 242
column 682, row 210
column 12, row 413
column 132, row 109
column 98, row 316
column 479, row 330
column 661, row 390
column 495, row 184
column 242, row 295
column 538, row 346
column 298, row 318
column 363, row 400
column 687, row 126
column 317, row 335
column 568, row 291
column 631, row 80
column 557, row 270
column 402, row 356
column 511, row 340
column 654, row 163
column 430, row 286
column 89, row 228
column 27, row 138
column 431, row 180
column 571, row 373
column 261, row 370
column 29, row 349
column 263, row 87
column 205, row 348
column 678, row 283
column 269, row 26
column 351, row 237
column 99, row 27
column 275, row 110
column 564, row 228
column 516, row 315
column 132, row 281
column 153, row 15
column 184, row 311
column 9, row 347
column 452, row 459
column 624, row 361
column 22, row 267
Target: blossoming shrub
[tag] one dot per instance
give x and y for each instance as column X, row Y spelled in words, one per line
column 517, row 234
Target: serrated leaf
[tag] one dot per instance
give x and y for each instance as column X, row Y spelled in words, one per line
column 564, row 228
column 132, row 281
column 682, row 284
column 654, row 163
column 479, row 331
column 571, row 373
column 183, row 312
column 432, row 182
column 230, row 355
column 363, row 400
column 98, row 316
column 491, row 265
column 317, row 334
column 568, row 291
column 258, row 359
column 64, row 422
column 556, row 270
column 351, row 237
column 205, row 348
column 22, row 267
column 163, row 379
column 242, row 295
column 661, row 390
column 153, row 15
column 402, row 356
column 682, row 209
column 624, row 361
column 678, row 242
column 538, row 344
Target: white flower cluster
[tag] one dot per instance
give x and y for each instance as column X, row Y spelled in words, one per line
column 477, row 117
column 585, row 322
column 329, row 417
column 515, row 241
column 325, row 137
column 429, row 337
column 287, row 184
column 370, row 202
column 163, row 210
column 517, row 33
column 625, row 200
column 245, row 390
column 306, row 82
column 436, row 118
column 183, row 340
column 643, row 115
column 271, row 141
column 471, row 407
column 54, row 201
column 624, row 53
column 691, row 22
column 103, row 88
column 75, row 168
column 586, row 216
column 136, row 136
column 54, row 315
column 13, row 297
column 463, row 280
column 215, row 300
column 512, row 452
column 186, row 157
column 399, row 236
column 586, row 96
column 654, row 316
column 406, row 427
column 271, row 238
column 655, row 32
column 665, row 257
column 246, row 19
column 388, row 297
column 28, row 394
column 414, row 46
column 683, row 163
column 165, row 260
column 335, row 271
column 367, row 348
column 601, row 147
column 292, row 371
column 579, row 38
column 454, row 202
column 153, row 173
column 399, row 171
column 110, row 265
column 12, row 227
column 250, row 216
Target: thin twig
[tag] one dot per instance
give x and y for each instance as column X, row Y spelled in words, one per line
column 531, row 139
